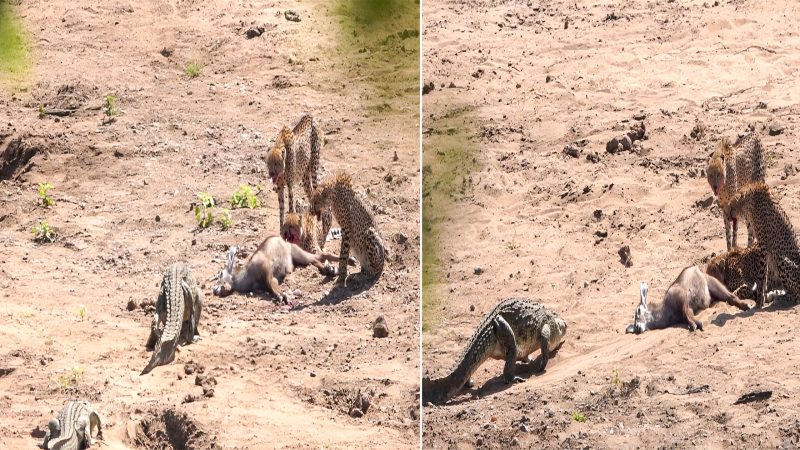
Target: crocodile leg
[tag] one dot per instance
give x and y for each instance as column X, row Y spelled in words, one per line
column 505, row 335
column 545, row 346
column 189, row 302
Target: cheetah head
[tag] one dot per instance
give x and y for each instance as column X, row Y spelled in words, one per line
column 318, row 203
column 716, row 174
column 275, row 166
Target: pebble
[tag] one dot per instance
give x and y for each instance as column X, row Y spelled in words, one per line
column 380, row 329
column 478, row 270
column 291, row 16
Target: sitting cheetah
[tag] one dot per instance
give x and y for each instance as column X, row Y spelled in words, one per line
column 773, row 230
column 731, row 167
column 742, row 270
column 358, row 227
column 290, row 156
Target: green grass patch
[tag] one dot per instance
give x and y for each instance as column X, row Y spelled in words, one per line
column 379, row 45
column 193, row 70
column 448, row 157
column 15, row 63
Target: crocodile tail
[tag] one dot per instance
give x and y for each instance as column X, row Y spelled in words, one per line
column 172, row 286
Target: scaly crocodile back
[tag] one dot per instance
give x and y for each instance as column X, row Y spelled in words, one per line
column 68, row 438
column 171, row 303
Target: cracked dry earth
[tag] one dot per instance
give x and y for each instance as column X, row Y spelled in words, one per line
column 75, row 314
column 548, row 226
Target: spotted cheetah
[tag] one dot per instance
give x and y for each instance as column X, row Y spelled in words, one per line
column 773, row 230
column 306, row 231
column 359, row 231
column 732, row 166
column 742, row 270
column 296, row 153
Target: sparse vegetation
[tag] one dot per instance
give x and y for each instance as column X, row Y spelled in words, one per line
column 245, row 197
column 225, row 219
column 82, row 313
column 193, row 70
column 71, row 378
column 110, row 106
column 204, row 210
column 15, row 62
column 45, row 199
column 42, row 232
column 578, row 417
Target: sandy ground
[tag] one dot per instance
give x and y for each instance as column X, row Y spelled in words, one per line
column 285, row 379
column 522, row 86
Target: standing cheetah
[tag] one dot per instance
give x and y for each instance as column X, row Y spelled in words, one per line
column 296, row 153
column 774, row 232
column 731, row 167
column 742, row 270
column 358, row 227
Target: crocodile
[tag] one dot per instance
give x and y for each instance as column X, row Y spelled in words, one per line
column 511, row 331
column 178, row 308
column 72, row 428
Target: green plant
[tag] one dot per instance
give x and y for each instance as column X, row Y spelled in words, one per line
column 225, row 219
column 73, row 377
column 110, row 105
column 43, row 233
column 617, row 382
column 82, row 312
column 578, row 417
column 42, row 112
column 193, row 69
column 245, row 197
column 204, row 210
column 47, row 201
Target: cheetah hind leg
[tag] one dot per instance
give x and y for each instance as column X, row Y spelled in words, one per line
column 377, row 252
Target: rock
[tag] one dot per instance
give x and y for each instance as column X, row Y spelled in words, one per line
column 379, row 328
column 601, row 233
column 639, row 116
column 254, row 32
column 190, row 398
column 625, row 256
column 395, row 158
column 471, row 308
column 548, row 79
column 291, row 16
column 166, row 52
column 614, row 146
column 360, row 405
column 572, row 151
column 478, row 270
column 593, row 157
column 189, row 368
column 428, row 87
column 281, row 82
column 515, row 442
column 131, row 305
column 626, row 142
column 776, row 129
column 705, row 202
column 637, row 132
column 598, row 214
column 698, row 131
column 524, row 428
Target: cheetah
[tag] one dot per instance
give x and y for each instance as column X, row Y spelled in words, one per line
column 305, row 231
column 733, row 166
column 773, row 230
column 359, row 231
column 741, row 270
column 296, row 153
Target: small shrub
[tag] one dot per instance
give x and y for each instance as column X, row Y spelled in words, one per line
column 43, row 233
column 204, row 210
column 193, row 70
column 71, row 378
column 45, row 199
column 82, row 312
column 578, row 417
column 110, row 105
column 225, row 219
column 245, row 197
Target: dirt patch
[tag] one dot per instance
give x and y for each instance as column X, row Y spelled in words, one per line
column 15, row 158
column 170, row 429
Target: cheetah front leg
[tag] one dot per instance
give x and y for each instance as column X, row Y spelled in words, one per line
column 344, row 256
column 281, row 206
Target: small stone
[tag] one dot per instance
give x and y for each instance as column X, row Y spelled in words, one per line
column 598, row 214
column 626, row 142
column 471, row 308
column 291, row 16
column 313, row 374
column 190, row 398
column 613, row 145
column 380, row 329
column 572, row 151
column 548, row 79
column 706, row 201
column 639, row 116
column 593, row 157
column 281, row 82
column 158, row 218
column 625, row 256
column 131, row 305
column 478, row 270
column 775, row 129
column 524, row 428
column 515, row 442
column 395, row 158
column 254, row 32
column 427, row 88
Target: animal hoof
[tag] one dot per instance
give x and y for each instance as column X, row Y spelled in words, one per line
column 692, row 327
column 216, row 290
column 700, row 325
